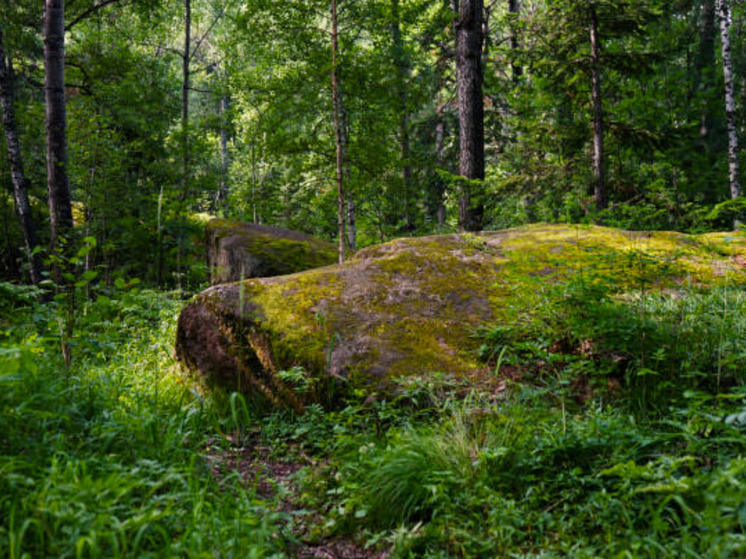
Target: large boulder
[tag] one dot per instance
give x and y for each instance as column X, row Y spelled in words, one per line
column 412, row 306
column 237, row 251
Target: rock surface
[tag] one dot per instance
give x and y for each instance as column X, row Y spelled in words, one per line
column 237, row 251
column 412, row 306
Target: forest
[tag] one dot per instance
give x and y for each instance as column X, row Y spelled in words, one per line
column 506, row 317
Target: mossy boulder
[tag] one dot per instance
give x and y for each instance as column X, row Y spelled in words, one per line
column 238, row 251
column 412, row 306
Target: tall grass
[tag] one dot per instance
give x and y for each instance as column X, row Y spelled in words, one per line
column 105, row 458
column 563, row 463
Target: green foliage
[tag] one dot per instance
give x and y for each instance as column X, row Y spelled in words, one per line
column 520, row 476
column 612, row 424
column 105, row 458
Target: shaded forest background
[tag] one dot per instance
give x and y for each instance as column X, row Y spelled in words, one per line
column 177, row 109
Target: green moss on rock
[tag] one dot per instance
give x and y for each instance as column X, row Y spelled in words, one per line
column 412, row 306
column 238, row 251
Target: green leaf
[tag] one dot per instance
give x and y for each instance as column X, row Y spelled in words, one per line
column 89, row 275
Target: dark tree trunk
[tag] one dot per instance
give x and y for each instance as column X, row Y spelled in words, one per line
column 469, row 41
column 730, row 105
column 60, row 207
column 20, row 183
column 439, row 186
column 599, row 187
column 185, row 85
column 402, row 74
column 338, row 132
column 705, row 63
column 514, row 8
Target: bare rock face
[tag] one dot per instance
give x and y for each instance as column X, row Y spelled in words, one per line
column 237, row 251
column 412, row 306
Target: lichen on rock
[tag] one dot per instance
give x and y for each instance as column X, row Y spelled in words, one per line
column 237, row 251
column 411, row 306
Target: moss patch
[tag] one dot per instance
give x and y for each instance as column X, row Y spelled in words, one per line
column 237, row 251
column 412, row 306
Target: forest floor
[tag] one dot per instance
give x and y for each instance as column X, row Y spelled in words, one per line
column 273, row 480
column 599, row 434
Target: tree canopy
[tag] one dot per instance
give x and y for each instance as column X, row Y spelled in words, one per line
column 607, row 111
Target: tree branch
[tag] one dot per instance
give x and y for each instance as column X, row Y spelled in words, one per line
column 90, row 11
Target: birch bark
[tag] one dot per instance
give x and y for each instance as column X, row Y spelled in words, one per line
column 18, row 177
column 730, row 105
column 599, row 186
column 338, row 132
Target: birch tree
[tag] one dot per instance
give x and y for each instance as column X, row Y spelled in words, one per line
column 599, row 186
column 15, row 160
column 730, row 105
column 339, row 132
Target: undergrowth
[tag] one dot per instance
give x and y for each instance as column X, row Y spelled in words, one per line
column 616, row 430
column 105, row 458
column 612, row 425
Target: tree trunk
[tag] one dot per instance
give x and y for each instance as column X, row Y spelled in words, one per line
column 439, row 186
column 402, row 74
column 351, row 229
column 705, row 62
column 514, row 8
column 339, row 133
column 254, row 215
column 469, row 40
column 730, row 106
column 185, row 85
column 60, row 206
column 224, row 156
column 20, row 183
column 599, row 187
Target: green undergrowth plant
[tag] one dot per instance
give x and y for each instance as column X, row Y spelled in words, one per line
column 515, row 478
column 109, row 456
column 596, row 332
column 609, row 421
column 614, row 426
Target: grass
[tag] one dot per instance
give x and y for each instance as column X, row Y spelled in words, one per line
column 616, row 428
column 106, row 458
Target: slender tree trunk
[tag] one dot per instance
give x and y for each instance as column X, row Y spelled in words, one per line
column 60, row 206
column 439, row 187
column 20, row 183
column 339, row 133
column 253, row 181
column 185, row 155
column 514, row 8
column 185, row 86
column 469, row 40
column 705, row 62
column 730, row 105
column 402, row 74
column 224, row 156
column 351, row 229
column 599, row 187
